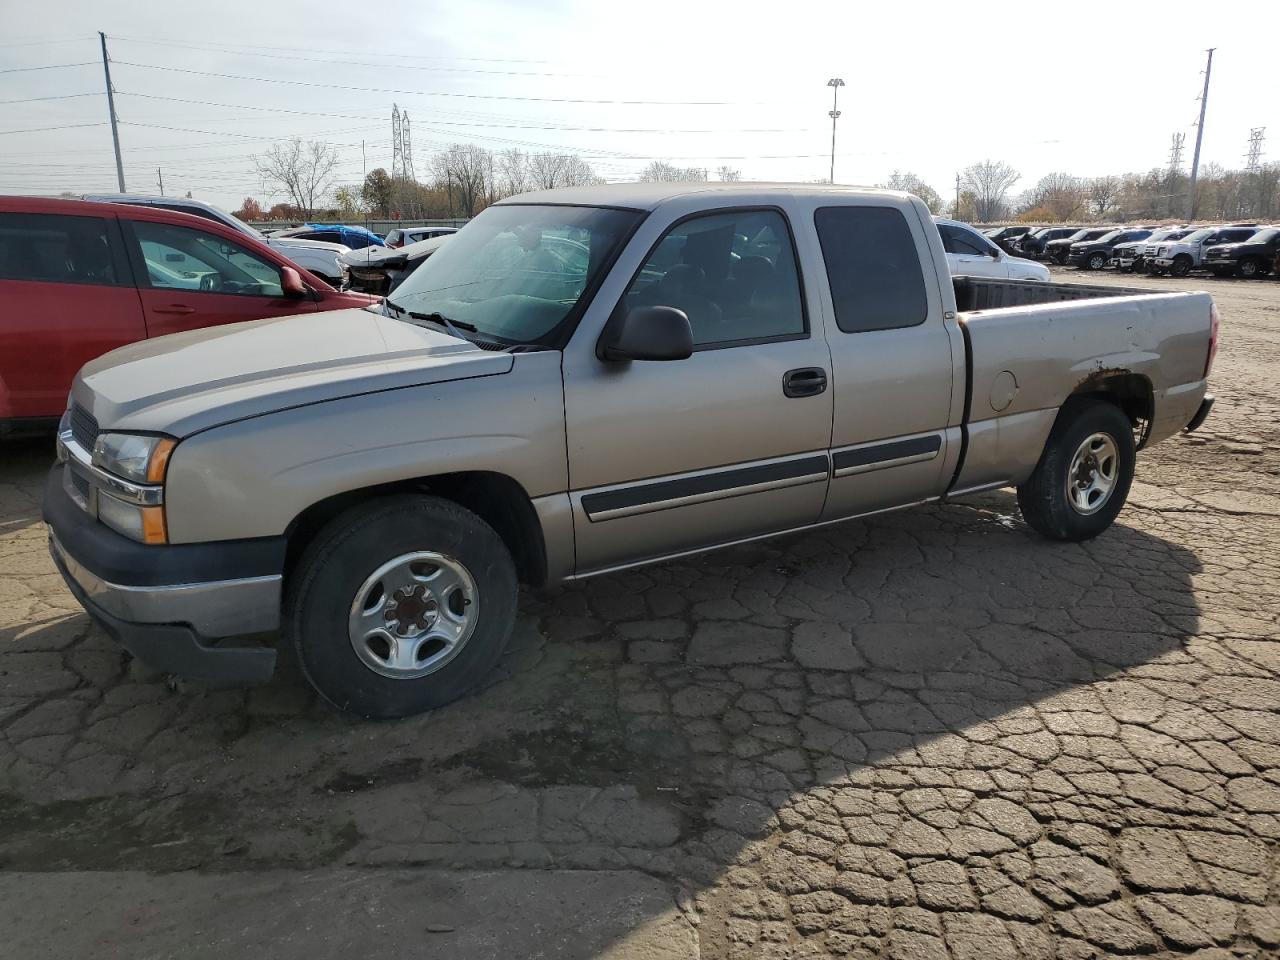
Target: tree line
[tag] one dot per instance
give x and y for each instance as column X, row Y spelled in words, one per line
column 464, row 178
column 986, row 194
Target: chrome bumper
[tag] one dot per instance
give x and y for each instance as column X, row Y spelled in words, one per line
column 220, row 608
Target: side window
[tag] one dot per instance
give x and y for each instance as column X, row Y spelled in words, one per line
column 51, row 248
column 733, row 273
column 180, row 258
column 189, row 211
column 872, row 267
column 955, row 240
column 325, row 236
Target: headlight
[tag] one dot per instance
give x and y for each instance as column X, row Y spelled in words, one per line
column 132, row 457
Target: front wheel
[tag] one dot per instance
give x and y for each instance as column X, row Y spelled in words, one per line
column 1181, row 266
column 1097, row 261
column 1084, row 474
column 401, row 605
column 1248, row 268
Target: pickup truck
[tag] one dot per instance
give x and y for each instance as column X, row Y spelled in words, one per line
column 1247, row 258
column 579, row 382
column 1129, row 256
column 1180, row 257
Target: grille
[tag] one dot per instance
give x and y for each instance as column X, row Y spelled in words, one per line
column 84, row 427
column 80, row 483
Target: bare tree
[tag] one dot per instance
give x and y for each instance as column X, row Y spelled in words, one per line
column 659, row 171
column 1103, row 194
column 728, row 174
column 550, row 170
column 990, row 182
column 910, row 183
column 1056, row 196
column 302, row 171
column 512, row 172
column 462, row 171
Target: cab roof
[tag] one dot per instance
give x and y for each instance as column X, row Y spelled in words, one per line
column 648, row 196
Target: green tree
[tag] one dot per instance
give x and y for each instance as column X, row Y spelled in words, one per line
column 376, row 192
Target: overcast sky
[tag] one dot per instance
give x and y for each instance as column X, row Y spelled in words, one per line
column 930, row 89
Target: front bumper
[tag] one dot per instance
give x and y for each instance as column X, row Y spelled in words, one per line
column 168, row 605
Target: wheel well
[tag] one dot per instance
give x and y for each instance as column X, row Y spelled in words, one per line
column 494, row 497
column 1131, row 392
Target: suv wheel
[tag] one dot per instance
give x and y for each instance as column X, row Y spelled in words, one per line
column 1083, row 477
column 401, row 605
column 1248, row 268
column 1096, row 261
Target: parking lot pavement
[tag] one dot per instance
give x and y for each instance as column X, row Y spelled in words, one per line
column 926, row 734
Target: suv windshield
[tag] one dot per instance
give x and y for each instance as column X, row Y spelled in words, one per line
column 516, row 273
column 1199, row 235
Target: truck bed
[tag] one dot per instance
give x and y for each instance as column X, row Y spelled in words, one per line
column 986, row 293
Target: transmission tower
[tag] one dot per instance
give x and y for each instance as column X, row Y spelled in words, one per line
column 397, row 146
column 406, row 157
column 1253, row 159
column 1175, row 153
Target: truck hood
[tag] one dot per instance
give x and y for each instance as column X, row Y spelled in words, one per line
column 188, row 382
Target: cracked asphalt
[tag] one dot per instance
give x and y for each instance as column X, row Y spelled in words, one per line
column 924, row 734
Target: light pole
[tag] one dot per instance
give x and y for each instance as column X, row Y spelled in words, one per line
column 835, row 83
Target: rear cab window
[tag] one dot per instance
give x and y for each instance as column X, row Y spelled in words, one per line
column 57, row 248
column 873, row 268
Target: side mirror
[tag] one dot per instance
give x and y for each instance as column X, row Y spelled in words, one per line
column 291, row 283
column 647, row 333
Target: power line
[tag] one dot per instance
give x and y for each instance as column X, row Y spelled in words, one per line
column 60, row 96
column 61, row 126
column 398, row 56
column 51, row 66
column 428, row 93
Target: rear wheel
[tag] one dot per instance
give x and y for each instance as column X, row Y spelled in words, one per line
column 401, row 605
column 1181, row 265
column 1084, row 474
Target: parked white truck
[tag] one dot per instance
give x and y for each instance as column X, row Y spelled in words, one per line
column 581, row 381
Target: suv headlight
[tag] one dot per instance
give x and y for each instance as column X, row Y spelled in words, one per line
column 132, row 457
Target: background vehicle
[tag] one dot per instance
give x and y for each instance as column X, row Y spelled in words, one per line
column 379, row 270
column 1249, row 258
column 1096, row 254
column 78, row 279
column 313, row 256
column 1006, row 237
column 1032, row 244
column 1180, row 257
column 407, row 235
column 357, row 238
column 1059, row 250
column 971, row 254
column 580, row 381
column 1130, row 255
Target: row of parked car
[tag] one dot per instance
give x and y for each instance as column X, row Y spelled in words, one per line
column 1226, row 250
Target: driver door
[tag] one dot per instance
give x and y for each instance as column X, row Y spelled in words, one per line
column 190, row 278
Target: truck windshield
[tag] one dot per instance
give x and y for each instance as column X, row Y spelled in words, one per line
column 516, row 273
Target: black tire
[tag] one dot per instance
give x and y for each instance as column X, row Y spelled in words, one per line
column 1249, row 268
column 1043, row 498
column 337, row 564
column 1095, row 261
column 1061, row 257
column 1181, row 266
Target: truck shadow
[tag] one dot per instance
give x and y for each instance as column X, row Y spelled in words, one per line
column 723, row 722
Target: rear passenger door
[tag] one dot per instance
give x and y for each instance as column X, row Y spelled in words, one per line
column 192, row 278
column 897, row 363
column 727, row 444
column 66, row 297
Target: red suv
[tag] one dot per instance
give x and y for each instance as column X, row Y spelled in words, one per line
column 78, row 279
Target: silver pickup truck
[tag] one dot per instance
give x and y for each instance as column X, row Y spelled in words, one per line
column 582, row 381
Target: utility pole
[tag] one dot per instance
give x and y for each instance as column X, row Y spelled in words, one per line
column 835, row 83
column 956, row 213
column 160, row 177
column 111, row 106
column 1195, row 159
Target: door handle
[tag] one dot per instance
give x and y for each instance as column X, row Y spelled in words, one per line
column 804, row 382
column 178, row 308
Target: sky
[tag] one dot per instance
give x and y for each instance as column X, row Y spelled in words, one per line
column 930, row 88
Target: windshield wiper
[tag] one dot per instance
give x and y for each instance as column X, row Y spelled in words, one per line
column 451, row 325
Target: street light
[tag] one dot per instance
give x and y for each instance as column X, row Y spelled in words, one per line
column 835, row 83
